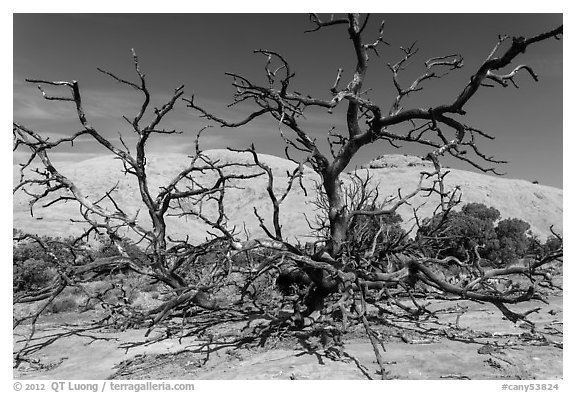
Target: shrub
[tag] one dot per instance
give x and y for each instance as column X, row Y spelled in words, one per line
column 481, row 212
column 34, row 263
column 538, row 249
column 552, row 243
column 56, row 247
column 32, row 274
column 457, row 233
column 107, row 249
column 63, row 304
column 513, row 242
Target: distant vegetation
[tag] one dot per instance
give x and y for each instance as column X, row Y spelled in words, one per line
column 458, row 233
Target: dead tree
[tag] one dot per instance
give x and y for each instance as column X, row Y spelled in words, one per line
column 190, row 194
column 329, row 274
column 436, row 127
column 439, row 128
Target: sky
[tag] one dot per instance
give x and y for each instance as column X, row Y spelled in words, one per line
column 195, row 50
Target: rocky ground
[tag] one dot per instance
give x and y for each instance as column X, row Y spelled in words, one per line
column 539, row 205
column 463, row 340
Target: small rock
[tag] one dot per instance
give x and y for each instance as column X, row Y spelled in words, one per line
column 488, row 349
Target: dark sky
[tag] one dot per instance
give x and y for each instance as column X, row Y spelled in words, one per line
column 197, row 49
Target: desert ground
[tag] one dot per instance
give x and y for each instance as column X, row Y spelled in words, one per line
column 463, row 340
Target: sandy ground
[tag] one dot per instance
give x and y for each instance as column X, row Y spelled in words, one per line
column 475, row 344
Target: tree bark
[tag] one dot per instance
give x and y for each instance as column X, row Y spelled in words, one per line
column 337, row 215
